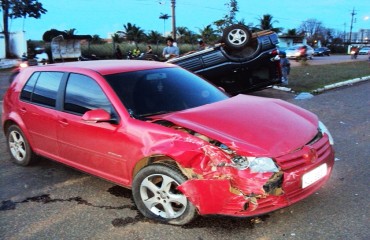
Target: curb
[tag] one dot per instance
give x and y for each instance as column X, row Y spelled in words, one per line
column 340, row 84
column 328, row 87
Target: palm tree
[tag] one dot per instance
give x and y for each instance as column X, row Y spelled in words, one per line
column 97, row 39
column 164, row 17
column 208, row 34
column 116, row 38
column 266, row 23
column 134, row 33
column 181, row 31
column 154, row 37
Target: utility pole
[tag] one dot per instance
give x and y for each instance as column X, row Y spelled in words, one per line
column 344, row 33
column 173, row 2
column 350, row 30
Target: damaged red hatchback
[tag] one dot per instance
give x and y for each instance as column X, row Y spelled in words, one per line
column 182, row 145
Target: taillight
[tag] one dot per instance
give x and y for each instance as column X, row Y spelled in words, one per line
column 274, row 52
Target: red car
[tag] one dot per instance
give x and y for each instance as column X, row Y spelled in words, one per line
column 181, row 144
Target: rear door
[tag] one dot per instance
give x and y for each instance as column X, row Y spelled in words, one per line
column 38, row 110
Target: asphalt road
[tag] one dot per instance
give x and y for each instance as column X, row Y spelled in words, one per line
column 52, row 201
column 319, row 60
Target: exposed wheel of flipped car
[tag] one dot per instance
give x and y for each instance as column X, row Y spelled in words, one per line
column 236, row 36
column 19, row 147
column 156, row 196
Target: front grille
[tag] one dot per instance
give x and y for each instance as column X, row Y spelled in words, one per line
column 213, row 59
column 297, row 159
column 191, row 64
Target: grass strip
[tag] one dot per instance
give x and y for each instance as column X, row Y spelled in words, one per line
column 307, row 78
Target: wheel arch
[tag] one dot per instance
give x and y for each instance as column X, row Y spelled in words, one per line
column 14, row 119
column 153, row 159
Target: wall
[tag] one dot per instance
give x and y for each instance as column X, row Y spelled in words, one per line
column 17, row 42
column 2, row 46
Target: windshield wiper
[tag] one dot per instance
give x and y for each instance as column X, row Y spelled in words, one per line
column 152, row 114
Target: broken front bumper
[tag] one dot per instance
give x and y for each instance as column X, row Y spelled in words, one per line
column 242, row 193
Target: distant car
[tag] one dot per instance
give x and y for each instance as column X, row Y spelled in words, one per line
column 322, row 51
column 364, row 50
column 182, row 145
column 297, row 51
column 243, row 61
column 41, row 56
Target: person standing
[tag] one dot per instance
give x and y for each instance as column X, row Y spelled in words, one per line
column 285, row 67
column 171, row 50
column 149, row 49
column 118, row 53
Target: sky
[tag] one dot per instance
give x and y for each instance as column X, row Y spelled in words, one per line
column 105, row 17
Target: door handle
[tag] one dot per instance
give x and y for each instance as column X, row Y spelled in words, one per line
column 64, row 122
column 23, row 110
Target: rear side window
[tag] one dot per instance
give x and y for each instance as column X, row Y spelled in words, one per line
column 42, row 88
column 84, row 94
column 28, row 88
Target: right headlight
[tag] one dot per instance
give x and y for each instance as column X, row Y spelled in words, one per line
column 255, row 164
column 324, row 129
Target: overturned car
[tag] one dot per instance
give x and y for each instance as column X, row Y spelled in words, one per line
column 242, row 62
column 181, row 144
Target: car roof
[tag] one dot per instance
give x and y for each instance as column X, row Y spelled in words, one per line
column 105, row 67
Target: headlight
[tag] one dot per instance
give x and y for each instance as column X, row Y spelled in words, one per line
column 255, row 164
column 324, row 129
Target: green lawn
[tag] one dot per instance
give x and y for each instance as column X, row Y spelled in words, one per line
column 307, row 78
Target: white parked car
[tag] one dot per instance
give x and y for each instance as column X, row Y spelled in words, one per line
column 364, row 50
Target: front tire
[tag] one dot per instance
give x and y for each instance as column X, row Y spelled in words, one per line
column 156, row 196
column 19, row 147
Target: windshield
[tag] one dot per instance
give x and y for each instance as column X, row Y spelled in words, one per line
column 164, row 90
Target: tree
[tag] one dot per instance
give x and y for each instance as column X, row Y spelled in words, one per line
column 18, row 9
column 154, row 37
column 134, row 33
column 292, row 32
column 312, row 29
column 181, row 33
column 116, row 37
column 228, row 18
column 164, row 17
column 208, row 34
column 96, row 39
column 266, row 22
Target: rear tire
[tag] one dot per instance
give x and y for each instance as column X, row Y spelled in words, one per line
column 18, row 146
column 156, row 196
column 236, row 36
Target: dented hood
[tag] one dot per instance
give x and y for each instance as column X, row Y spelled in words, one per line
column 251, row 125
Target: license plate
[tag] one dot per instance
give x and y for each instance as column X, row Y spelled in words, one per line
column 314, row 175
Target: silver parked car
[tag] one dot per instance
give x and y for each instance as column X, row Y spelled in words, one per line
column 297, row 51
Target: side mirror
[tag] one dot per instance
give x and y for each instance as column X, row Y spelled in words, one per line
column 96, row 115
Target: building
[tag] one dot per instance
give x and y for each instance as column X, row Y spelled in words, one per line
column 360, row 37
